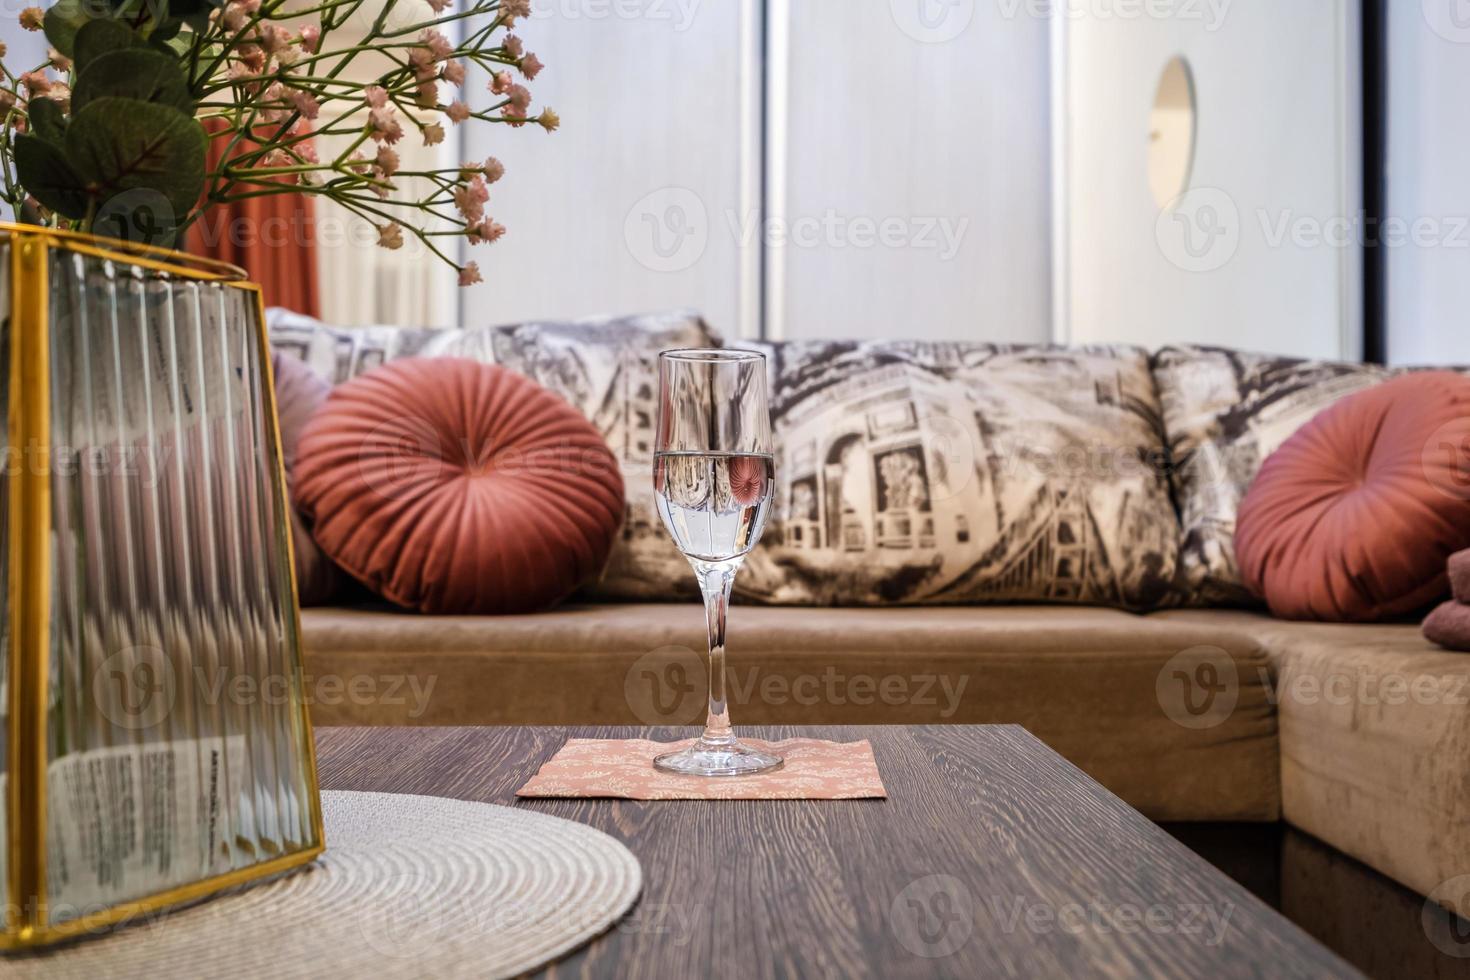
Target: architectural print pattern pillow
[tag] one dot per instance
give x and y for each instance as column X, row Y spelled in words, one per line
column 1225, row 411
column 606, row 367
column 962, row 473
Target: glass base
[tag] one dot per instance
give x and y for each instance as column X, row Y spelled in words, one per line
column 725, row 758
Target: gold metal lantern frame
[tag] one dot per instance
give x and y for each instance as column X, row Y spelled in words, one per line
column 157, row 743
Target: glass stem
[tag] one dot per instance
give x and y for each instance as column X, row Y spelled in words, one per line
column 715, row 581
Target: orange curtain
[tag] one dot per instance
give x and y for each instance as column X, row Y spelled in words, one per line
column 272, row 237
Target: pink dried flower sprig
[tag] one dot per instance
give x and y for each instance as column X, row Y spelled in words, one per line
column 268, row 80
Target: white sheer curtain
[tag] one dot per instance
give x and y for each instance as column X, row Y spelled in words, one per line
column 362, row 283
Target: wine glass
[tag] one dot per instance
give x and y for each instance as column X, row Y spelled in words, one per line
column 713, row 479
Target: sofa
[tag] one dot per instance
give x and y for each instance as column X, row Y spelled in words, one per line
column 1153, row 667
column 1358, row 735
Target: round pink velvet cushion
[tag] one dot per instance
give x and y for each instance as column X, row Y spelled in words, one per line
column 299, row 393
column 450, row 486
column 1354, row 517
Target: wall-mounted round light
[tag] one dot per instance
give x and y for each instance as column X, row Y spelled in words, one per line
column 1171, row 133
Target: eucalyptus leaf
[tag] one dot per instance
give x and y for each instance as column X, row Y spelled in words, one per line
column 98, row 37
column 174, row 47
column 44, row 172
column 61, row 23
column 119, row 144
column 168, row 29
column 136, row 73
column 47, row 120
column 191, row 8
column 144, row 13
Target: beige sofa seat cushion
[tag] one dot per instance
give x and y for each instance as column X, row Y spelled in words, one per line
column 1111, row 691
column 1375, row 742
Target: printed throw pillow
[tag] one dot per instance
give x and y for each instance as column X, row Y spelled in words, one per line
column 299, row 393
column 961, row 473
column 605, row 366
column 1226, row 411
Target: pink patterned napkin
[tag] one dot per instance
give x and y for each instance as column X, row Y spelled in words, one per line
column 814, row 770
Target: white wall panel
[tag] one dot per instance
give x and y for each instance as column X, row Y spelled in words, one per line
column 908, row 170
column 1263, row 252
column 1428, row 249
column 621, row 210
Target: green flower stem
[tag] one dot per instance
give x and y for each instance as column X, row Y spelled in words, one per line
column 373, row 32
column 280, row 76
column 323, row 8
column 267, row 172
column 318, row 87
column 267, row 190
column 342, row 64
column 329, row 26
column 361, row 139
column 239, row 133
column 13, row 194
column 212, row 179
column 424, row 25
column 366, row 211
column 227, row 46
column 286, row 139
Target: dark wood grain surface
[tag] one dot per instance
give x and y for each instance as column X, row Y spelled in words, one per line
column 992, row 857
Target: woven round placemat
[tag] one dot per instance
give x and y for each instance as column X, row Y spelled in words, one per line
column 409, row 886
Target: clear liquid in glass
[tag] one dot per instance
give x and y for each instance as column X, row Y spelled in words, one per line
column 715, row 505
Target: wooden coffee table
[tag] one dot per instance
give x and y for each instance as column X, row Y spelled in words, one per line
column 992, row 857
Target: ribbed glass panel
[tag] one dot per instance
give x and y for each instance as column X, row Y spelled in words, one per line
column 177, row 749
